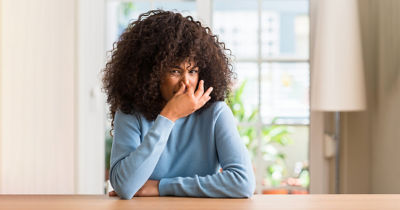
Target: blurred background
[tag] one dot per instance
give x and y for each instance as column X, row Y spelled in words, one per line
column 54, row 123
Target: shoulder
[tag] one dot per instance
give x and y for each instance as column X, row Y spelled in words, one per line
column 216, row 108
column 120, row 115
column 122, row 118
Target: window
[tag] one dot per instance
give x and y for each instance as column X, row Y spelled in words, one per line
column 273, row 71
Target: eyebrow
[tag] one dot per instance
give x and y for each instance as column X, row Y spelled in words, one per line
column 178, row 67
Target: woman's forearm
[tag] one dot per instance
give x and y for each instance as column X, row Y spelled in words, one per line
column 131, row 169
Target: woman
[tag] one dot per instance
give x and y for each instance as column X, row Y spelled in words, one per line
column 166, row 83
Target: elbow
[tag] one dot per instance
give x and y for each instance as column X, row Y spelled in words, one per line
column 122, row 192
column 125, row 196
column 250, row 190
column 120, row 188
column 245, row 187
column 247, row 190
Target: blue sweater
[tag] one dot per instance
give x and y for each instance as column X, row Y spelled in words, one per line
column 185, row 156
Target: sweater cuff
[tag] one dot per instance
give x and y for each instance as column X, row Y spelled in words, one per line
column 164, row 123
column 165, row 187
column 165, row 119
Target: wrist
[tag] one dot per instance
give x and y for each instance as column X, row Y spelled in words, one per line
column 168, row 114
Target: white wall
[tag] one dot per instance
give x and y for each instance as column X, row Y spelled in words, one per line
column 386, row 142
column 372, row 138
column 91, row 111
column 37, row 96
column 51, row 108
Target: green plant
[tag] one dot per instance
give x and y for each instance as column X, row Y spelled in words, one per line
column 108, row 150
column 271, row 136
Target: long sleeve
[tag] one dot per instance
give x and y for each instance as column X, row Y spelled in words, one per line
column 133, row 161
column 236, row 179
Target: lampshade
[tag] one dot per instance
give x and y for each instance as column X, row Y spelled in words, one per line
column 337, row 79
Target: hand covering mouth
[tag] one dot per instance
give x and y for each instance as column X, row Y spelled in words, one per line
column 175, row 91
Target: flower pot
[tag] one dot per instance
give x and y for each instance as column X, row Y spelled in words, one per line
column 275, row 191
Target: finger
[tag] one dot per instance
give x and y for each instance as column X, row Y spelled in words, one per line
column 206, row 100
column 208, row 92
column 206, row 96
column 190, row 89
column 112, row 193
column 138, row 193
column 203, row 101
column 200, row 89
column 181, row 89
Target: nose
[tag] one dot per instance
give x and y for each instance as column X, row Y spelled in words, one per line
column 185, row 78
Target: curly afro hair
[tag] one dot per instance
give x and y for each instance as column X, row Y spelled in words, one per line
column 150, row 46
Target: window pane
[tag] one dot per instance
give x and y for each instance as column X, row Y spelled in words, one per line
column 285, row 28
column 285, row 158
column 285, row 93
column 120, row 14
column 235, row 22
column 247, row 72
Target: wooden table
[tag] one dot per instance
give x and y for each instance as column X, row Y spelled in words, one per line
column 100, row 202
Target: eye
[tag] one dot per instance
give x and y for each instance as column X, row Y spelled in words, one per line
column 194, row 71
column 174, row 71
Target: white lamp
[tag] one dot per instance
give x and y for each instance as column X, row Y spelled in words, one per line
column 337, row 78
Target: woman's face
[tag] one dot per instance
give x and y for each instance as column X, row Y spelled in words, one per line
column 186, row 72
